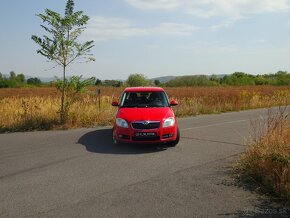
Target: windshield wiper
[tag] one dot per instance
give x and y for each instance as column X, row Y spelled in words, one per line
column 129, row 106
column 154, row 105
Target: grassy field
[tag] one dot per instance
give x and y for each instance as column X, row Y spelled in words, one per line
column 26, row 109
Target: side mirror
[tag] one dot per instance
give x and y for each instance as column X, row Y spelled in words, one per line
column 173, row 103
column 115, row 103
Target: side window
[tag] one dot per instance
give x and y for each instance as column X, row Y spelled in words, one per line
column 165, row 100
column 123, row 98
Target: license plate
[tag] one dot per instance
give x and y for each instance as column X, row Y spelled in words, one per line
column 145, row 134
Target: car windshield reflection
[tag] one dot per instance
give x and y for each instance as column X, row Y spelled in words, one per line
column 144, row 99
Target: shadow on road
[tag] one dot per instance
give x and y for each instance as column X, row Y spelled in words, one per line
column 100, row 141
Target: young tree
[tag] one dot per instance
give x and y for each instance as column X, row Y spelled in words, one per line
column 138, row 80
column 73, row 86
column 61, row 44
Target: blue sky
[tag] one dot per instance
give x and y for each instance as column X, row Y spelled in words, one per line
column 156, row 37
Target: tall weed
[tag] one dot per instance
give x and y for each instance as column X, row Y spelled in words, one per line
column 267, row 159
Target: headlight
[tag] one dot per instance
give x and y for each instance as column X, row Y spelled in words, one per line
column 169, row 122
column 121, row 123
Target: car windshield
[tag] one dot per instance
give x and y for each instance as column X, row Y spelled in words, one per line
column 144, row 99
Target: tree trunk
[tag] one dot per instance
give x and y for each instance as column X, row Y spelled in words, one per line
column 62, row 109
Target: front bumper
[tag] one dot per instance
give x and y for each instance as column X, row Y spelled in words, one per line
column 130, row 135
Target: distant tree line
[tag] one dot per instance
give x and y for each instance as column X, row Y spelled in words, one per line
column 17, row 80
column 281, row 78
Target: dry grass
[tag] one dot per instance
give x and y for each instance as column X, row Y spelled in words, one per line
column 23, row 109
column 36, row 113
column 267, row 160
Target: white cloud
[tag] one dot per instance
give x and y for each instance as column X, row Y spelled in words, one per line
column 155, row 4
column 109, row 28
column 227, row 23
column 173, row 29
column 210, row 8
column 206, row 48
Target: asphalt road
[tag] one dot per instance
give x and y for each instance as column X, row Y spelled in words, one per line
column 80, row 173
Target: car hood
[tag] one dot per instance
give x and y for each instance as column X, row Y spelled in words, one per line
column 138, row 114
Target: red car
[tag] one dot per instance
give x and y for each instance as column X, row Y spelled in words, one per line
column 145, row 116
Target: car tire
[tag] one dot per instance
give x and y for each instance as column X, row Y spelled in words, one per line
column 175, row 142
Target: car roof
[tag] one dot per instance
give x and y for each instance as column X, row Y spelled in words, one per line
column 144, row 89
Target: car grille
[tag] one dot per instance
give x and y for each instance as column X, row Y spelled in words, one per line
column 146, row 125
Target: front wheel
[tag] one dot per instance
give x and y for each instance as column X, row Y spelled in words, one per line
column 175, row 142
